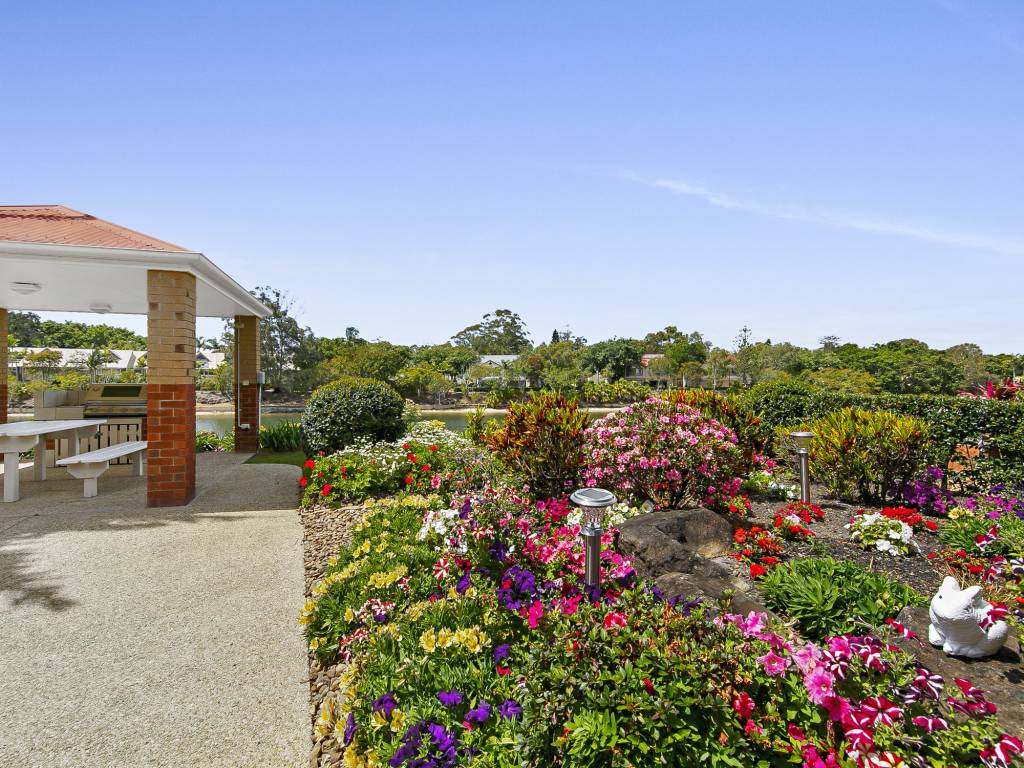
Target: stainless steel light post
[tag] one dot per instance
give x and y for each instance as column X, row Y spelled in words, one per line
column 593, row 502
column 803, row 443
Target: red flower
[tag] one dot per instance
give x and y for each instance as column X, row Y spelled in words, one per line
column 614, row 620
column 743, row 705
column 303, row 481
column 323, row 453
column 649, row 686
column 326, row 491
column 309, row 464
column 433, row 449
column 757, row 571
column 931, row 525
column 408, row 479
column 411, row 457
column 425, row 467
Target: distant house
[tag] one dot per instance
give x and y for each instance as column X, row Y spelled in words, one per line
column 21, row 364
column 71, row 359
column 209, row 360
column 499, row 364
column 651, row 371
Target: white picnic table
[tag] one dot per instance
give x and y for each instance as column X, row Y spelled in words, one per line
column 20, row 436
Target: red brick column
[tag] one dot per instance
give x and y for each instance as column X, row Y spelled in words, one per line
column 247, row 391
column 171, row 389
column 3, row 366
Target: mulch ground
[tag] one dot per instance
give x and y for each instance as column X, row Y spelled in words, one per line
column 325, row 531
column 917, row 570
column 1002, row 675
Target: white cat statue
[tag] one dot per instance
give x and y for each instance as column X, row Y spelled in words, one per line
column 956, row 615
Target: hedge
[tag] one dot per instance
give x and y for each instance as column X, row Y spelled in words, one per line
column 995, row 426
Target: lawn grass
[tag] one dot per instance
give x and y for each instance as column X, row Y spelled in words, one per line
column 286, row 457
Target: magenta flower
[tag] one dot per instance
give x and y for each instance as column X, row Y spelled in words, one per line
column 774, row 664
column 819, row 686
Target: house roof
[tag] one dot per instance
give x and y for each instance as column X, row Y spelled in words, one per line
column 53, row 258
column 69, row 357
column 60, row 224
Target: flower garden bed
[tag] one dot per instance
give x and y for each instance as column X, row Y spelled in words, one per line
column 453, row 628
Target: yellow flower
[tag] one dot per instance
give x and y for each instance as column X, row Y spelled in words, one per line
column 350, row 615
column 397, row 720
column 315, row 643
column 445, row 637
column 378, row 720
column 428, row 641
column 352, row 758
column 307, row 614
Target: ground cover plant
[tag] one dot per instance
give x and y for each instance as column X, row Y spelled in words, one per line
column 427, row 459
column 832, row 597
column 466, row 636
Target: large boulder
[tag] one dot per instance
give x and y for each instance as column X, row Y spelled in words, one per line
column 677, row 541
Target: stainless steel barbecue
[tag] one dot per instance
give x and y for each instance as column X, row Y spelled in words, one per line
column 115, row 400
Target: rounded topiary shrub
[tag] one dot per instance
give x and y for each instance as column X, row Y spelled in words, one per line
column 347, row 409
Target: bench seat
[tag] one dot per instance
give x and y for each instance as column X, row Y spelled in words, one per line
column 89, row 466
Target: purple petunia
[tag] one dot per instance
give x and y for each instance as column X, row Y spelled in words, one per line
column 479, row 713
column 501, row 652
column 385, row 704
column 509, row 710
column 350, row 728
column 450, row 698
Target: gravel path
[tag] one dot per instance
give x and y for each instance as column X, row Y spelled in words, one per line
column 154, row 637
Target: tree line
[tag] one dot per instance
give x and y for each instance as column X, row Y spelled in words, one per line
column 296, row 360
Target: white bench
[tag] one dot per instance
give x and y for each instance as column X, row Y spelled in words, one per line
column 89, row 466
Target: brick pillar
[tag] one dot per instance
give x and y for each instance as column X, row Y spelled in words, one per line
column 247, row 391
column 171, row 388
column 3, row 366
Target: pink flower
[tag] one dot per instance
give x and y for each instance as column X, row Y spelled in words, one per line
column 837, row 707
column 930, row 723
column 819, row 685
column 774, row 664
column 534, row 613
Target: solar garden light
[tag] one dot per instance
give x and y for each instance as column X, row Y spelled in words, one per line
column 803, row 442
column 592, row 502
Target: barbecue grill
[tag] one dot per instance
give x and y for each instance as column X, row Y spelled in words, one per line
column 115, row 400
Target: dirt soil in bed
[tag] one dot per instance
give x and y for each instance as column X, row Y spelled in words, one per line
column 1001, row 676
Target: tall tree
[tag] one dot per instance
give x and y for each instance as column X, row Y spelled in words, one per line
column 499, row 333
column 614, row 357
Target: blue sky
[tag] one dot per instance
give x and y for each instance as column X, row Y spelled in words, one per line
column 803, row 168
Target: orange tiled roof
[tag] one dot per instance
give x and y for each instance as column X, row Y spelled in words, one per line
column 58, row 224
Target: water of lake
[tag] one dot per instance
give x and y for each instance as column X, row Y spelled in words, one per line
column 224, row 422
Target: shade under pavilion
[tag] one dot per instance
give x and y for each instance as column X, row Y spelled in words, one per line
column 54, row 258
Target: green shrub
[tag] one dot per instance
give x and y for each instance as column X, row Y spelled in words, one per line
column 542, row 440
column 614, row 392
column 208, row 441
column 858, row 454
column 832, row 597
column 781, row 402
column 995, row 425
column 753, row 435
column 281, row 436
column 347, row 409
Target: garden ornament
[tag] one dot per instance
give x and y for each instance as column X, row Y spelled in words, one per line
column 961, row 624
